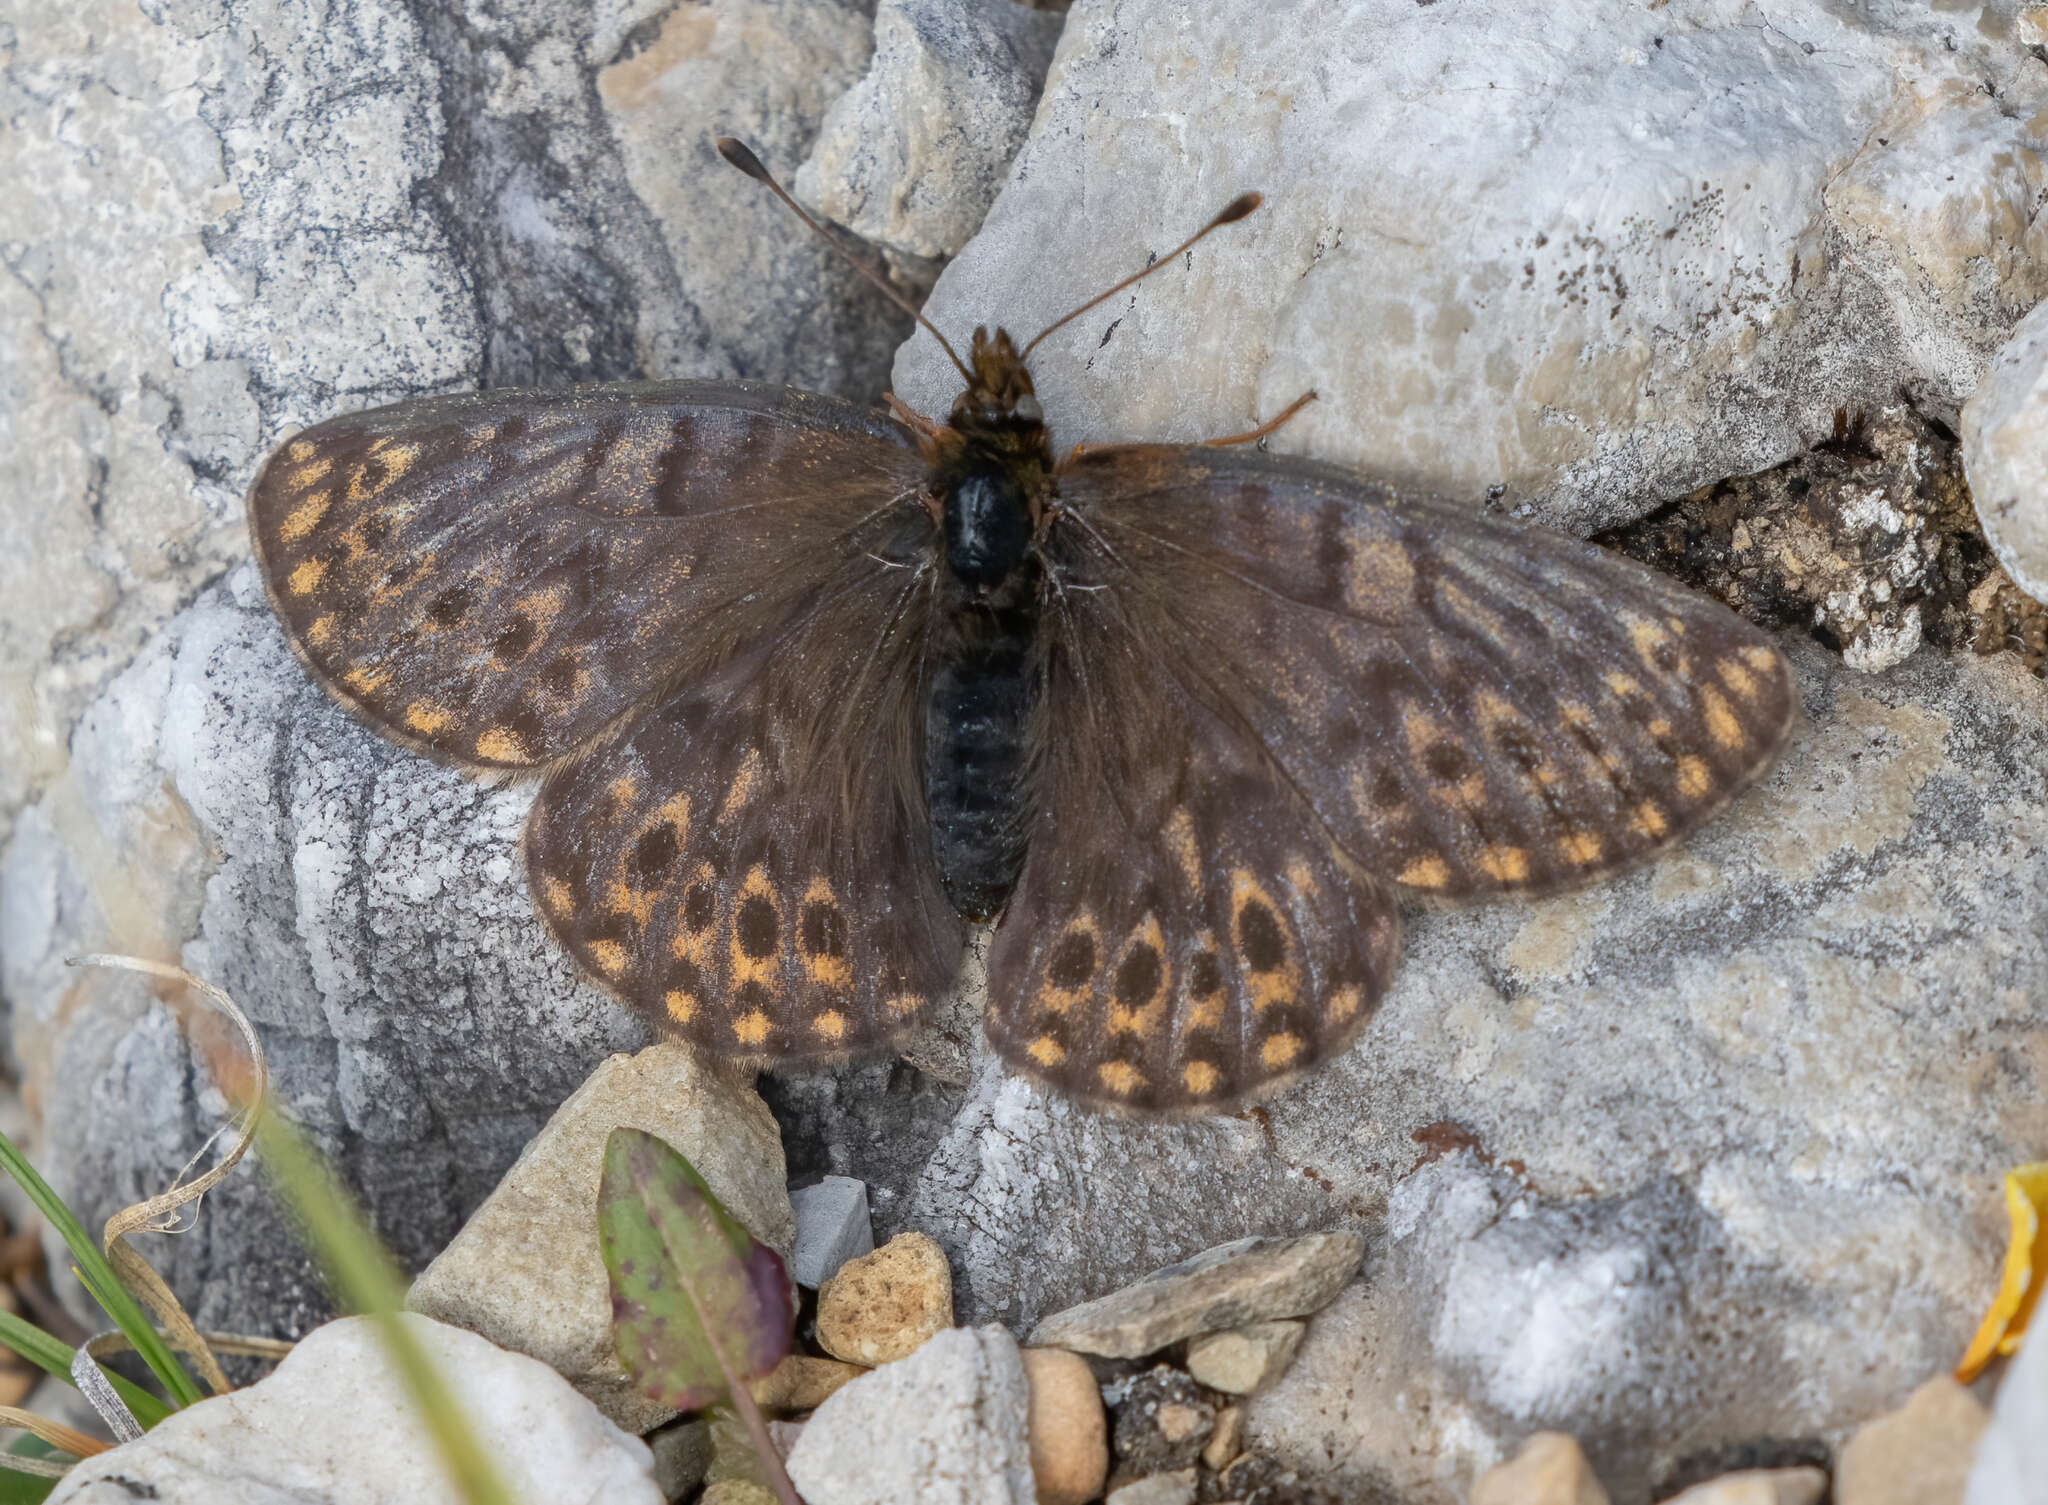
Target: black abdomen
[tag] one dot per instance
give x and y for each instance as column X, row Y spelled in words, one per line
column 975, row 724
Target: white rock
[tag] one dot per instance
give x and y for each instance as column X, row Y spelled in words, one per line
column 2012, row 1457
column 335, row 1425
column 1759, row 1486
column 911, row 156
column 1176, row 1488
column 525, row 1270
column 2005, row 454
column 1592, row 257
column 945, row 1426
column 832, row 1226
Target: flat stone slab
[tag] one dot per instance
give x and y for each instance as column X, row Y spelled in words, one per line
column 1251, row 1280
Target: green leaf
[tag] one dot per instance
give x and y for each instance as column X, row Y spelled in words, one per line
column 54, row 1357
column 699, row 1307
column 26, row 1489
column 99, row 1279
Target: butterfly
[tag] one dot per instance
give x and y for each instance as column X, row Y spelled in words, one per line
column 810, row 688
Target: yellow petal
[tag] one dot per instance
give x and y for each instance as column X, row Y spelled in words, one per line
column 2026, row 1271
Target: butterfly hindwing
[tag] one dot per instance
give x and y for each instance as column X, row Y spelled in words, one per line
column 1470, row 706
column 1183, row 936
column 747, row 862
column 495, row 578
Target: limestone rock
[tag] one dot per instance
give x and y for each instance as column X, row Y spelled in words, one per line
column 1547, row 1469
column 1176, row 1488
column 911, row 156
column 832, row 1227
column 1918, row 1455
column 946, row 1425
column 2011, row 1467
column 1507, row 244
column 335, row 1423
column 801, row 1382
column 1232, row 1284
column 1805, row 1485
column 1068, row 1432
column 525, row 1270
column 1226, row 1440
column 1246, row 1358
column 2005, row 451
column 884, row 1305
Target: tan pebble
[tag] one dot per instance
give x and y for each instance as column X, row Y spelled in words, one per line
column 737, row 1492
column 1245, row 1359
column 1759, row 1486
column 1176, row 1488
column 801, row 1382
column 1068, row 1431
column 883, row 1306
column 1547, row 1469
column 1919, row 1454
column 1226, row 1442
column 1177, row 1423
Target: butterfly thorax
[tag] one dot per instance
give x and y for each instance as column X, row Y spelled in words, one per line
column 989, row 475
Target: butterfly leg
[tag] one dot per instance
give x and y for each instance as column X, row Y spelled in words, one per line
column 1265, row 428
column 909, row 417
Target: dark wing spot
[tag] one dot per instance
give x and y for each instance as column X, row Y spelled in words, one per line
column 1447, row 761
column 653, row 853
column 756, row 926
column 1388, row 792
column 559, row 678
column 1137, row 975
column 700, row 908
column 451, row 606
column 686, row 974
column 1519, row 745
column 376, row 528
column 1260, row 942
column 516, row 640
column 1205, row 975
column 1073, row 961
column 822, row 930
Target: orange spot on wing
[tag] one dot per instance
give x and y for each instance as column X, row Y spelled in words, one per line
column 1280, row 1050
column 426, row 718
column 1120, row 1077
column 305, row 579
column 1580, row 847
column 1200, row 1078
column 1505, row 864
column 1693, row 778
column 751, row 1029
column 609, row 957
column 1046, row 1051
column 1649, row 820
column 830, row 1025
column 682, row 1008
column 501, row 744
column 1425, row 872
column 1721, row 723
column 305, row 517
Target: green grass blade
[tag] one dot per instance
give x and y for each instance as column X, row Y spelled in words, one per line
column 100, row 1280
column 54, row 1357
column 365, row 1278
column 25, row 1489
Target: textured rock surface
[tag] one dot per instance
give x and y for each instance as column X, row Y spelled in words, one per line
column 911, row 156
column 1248, row 1280
column 225, row 219
column 1593, row 258
column 885, row 1305
column 334, row 1423
column 946, row 1424
column 1163, row 1421
column 525, row 1270
column 2006, row 454
column 832, row 1226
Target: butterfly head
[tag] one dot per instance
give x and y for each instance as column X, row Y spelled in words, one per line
column 998, row 396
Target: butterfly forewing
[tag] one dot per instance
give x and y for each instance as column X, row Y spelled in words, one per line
column 496, row 578
column 1468, row 706
column 1183, row 935
column 748, row 861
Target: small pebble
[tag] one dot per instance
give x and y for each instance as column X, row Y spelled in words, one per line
column 1804, row 1485
column 682, row 1456
column 737, row 1492
column 1161, row 1424
column 1226, row 1441
column 1251, row 1280
column 801, row 1382
column 1245, row 1359
column 885, row 1305
column 1548, row 1469
column 1069, row 1433
column 1176, row 1488
column 1919, row 1454
column 832, row 1227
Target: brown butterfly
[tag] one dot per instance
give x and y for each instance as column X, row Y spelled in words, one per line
column 811, row 687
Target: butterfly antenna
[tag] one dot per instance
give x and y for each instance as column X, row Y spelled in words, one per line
column 737, row 154
column 1231, row 213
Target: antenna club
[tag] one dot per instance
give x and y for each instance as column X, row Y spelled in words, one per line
column 1233, row 211
column 735, row 151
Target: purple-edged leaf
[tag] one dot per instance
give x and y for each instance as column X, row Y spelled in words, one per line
column 698, row 1306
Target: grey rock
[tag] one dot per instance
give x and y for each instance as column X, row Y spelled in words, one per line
column 832, row 1226
column 1509, row 245
column 946, row 1425
column 335, row 1423
column 682, row 1455
column 912, row 155
column 1245, row 1358
column 2006, row 454
column 1176, row 1488
column 1249, row 1280
column 2012, row 1457
column 525, row 1270
column 223, row 221
column 1804, row 1485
